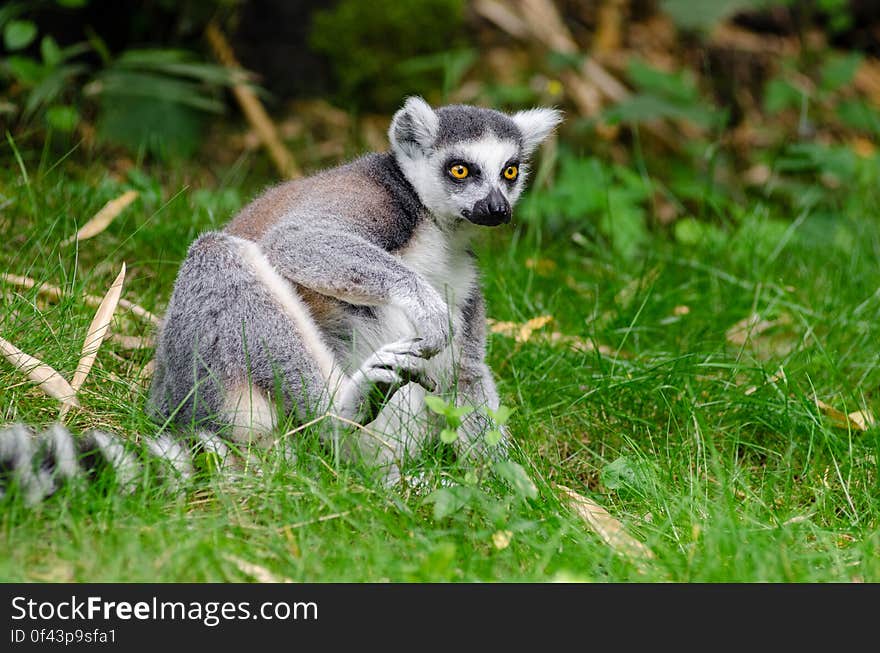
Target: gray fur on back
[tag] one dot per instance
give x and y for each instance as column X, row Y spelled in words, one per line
column 369, row 196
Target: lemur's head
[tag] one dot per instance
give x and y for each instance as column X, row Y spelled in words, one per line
column 467, row 163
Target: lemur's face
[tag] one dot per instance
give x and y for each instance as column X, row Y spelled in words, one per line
column 478, row 180
column 466, row 163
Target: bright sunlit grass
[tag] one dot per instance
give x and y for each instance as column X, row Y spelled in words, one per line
column 642, row 392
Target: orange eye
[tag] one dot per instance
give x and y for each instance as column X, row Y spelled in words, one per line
column 458, row 171
column 510, row 172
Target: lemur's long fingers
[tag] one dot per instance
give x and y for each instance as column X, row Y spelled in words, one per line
column 409, row 346
column 418, row 375
column 418, row 346
column 409, row 365
column 384, row 376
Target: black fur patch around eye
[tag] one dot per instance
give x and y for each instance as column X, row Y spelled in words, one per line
column 474, row 171
column 472, row 175
column 513, row 162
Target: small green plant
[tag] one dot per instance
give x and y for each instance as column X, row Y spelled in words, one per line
column 48, row 83
column 455, row 414
column 452, row 413
column 469, row 493
column 500, row 418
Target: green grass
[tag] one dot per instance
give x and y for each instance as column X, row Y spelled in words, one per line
column 658, row 422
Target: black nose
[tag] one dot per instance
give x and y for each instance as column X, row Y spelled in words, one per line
column 492, row 210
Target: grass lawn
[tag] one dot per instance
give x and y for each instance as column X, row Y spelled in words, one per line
column 650, row 391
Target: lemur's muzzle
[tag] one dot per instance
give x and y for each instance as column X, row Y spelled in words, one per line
column 492, row 210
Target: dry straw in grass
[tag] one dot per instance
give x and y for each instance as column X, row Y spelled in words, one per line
column 605, row 526
column 132, row 342
column 55, row 293
column 47, row 378
column 859, row 420
column 96, row 333
column 255, row 571
column 523, row 333
column 519, row 332
column 104, row 217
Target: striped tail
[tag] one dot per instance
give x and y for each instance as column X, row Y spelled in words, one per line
column 40, row 464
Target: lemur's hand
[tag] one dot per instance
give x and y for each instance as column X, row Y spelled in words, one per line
column 430, row 316
column 381, row 375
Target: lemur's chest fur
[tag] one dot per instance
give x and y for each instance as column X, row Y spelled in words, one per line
column 445, row 262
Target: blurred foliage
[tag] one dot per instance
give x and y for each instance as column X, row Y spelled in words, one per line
column 688, row 14
column 151, row 100
column 663, row 95
column 383, row 40
column 156, row 99
column 702, row 16
column 606, row 199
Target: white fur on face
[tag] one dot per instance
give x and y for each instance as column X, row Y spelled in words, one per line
column 489, row 155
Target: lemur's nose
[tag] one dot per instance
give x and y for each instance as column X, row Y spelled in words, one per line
column 498, row 205
column 492, row 210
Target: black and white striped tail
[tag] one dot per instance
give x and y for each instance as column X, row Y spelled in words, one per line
column 40, row 464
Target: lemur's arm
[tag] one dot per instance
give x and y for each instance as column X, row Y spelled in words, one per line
column 345, row 266
column 475, row 383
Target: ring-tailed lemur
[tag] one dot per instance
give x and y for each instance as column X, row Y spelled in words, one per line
column 326, row 289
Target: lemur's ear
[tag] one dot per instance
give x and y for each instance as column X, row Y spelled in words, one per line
column 536, row 125
column 414, row 127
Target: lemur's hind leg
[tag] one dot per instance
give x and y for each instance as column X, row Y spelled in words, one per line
column 227, row 339
column 475, row 386
column 238, row 341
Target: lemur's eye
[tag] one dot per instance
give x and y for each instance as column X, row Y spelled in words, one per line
column 459, row 171
column 510, row 172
